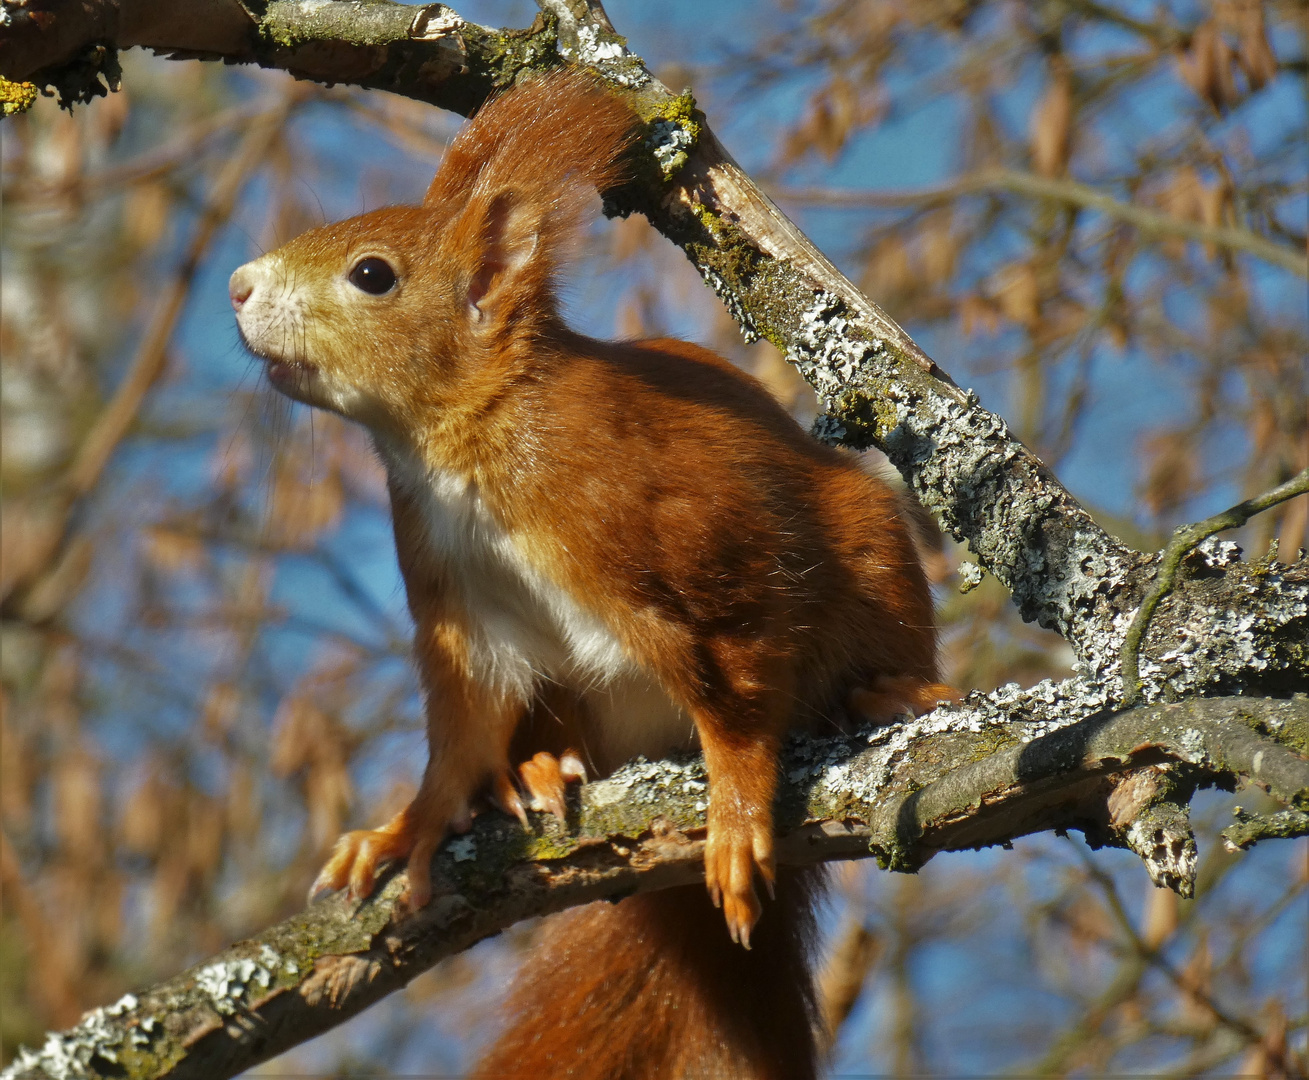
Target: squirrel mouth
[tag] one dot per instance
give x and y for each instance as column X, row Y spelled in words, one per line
column 287, row 374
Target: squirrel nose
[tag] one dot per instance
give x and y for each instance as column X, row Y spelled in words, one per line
column 239, row 288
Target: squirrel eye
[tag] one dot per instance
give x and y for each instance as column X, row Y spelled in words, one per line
column 373, row 275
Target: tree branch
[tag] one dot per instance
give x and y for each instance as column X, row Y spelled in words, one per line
column 1184, row 540
column 986, row 772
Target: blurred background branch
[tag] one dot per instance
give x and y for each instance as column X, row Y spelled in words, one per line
column 1149, row 222
column 34, row 593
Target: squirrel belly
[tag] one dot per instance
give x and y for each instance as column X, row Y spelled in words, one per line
column 608, row 549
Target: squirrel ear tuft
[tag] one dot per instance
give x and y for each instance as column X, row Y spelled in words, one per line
column 535, row 136
column 516, row 184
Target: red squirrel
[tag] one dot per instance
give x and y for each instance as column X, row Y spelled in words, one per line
column 609, row 549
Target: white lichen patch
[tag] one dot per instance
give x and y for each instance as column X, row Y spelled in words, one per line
column 823, row 350
column 228, row 983
column 970, row 576
column 725, row 293
column 605, row 793
column 594, row 49
column 1218, row 554
column 1230, row 644
column 1193, row 745
column 868, row 777
column 104, row 1034
column 463, row 849
column 608, row 53
column 670, row 142
column 649, row 783
column 826, row 428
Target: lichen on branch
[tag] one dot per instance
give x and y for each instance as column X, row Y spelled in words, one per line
column 987, row 771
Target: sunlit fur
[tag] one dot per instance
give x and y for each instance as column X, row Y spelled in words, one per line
column 620, row 547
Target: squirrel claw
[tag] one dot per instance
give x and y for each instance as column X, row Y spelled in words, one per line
column 543, row 777
column 571, row 767
column 357, row 857
column 505, row 797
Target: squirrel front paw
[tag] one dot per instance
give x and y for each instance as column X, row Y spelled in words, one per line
column 411, row 835
column 735, row 848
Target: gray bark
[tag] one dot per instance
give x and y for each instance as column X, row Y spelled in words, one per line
column 992, row 769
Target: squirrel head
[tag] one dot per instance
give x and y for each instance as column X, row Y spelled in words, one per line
column 392, row 313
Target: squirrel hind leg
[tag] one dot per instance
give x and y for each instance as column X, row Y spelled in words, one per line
column 890, row 696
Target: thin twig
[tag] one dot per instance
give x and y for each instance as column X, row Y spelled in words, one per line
column 1072, row 192
column 1154, row 957
column 1159, row 34
column 1186, row 537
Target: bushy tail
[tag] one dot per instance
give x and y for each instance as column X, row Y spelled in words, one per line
column 652, row 988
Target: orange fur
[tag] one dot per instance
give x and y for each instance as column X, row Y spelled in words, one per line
column 616, row 547
column 653, row 988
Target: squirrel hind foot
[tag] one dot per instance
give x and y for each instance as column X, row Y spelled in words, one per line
column 544, row 780
column 892, row 696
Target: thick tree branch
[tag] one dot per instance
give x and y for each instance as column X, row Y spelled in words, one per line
column 986, row 772
column 428, row 53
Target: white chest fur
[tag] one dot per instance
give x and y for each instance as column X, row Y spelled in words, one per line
column 524, row 627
